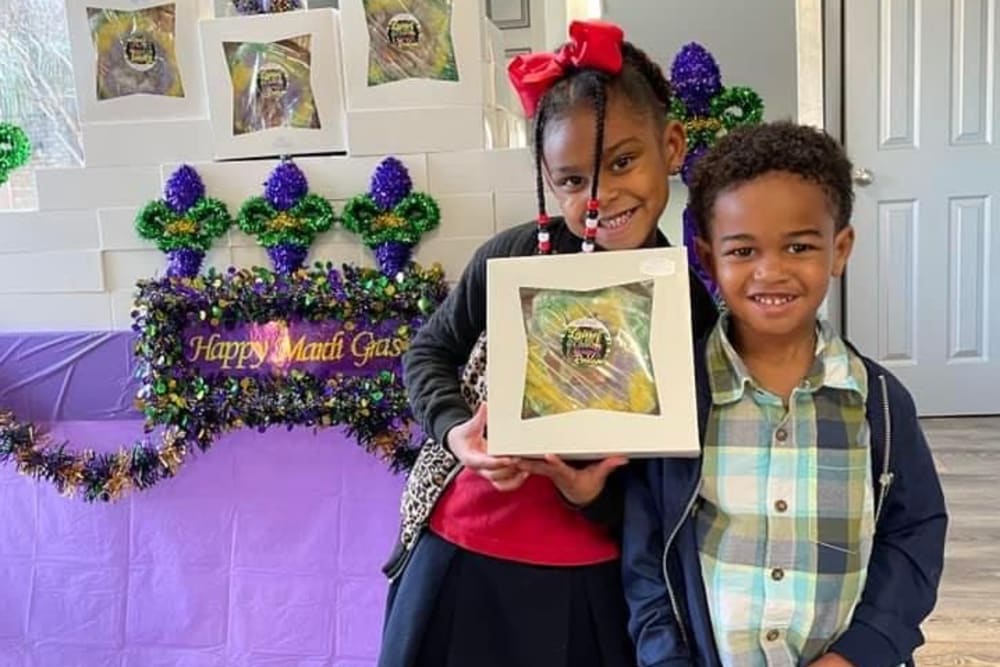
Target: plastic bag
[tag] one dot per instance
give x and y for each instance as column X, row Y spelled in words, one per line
column 271, row 84
column 135, row 51
column 409, row 39
column 588, row 350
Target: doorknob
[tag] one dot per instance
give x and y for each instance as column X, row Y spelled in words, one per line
column 862, row 177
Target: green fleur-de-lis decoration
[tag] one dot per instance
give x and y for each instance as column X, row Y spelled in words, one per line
column 287, row 219
column 390, row 217
column 708, row 110
column 15, row 149
column 185, row 223
column 706, row 107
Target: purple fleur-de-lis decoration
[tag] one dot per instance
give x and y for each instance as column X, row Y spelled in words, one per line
column 695, row 78
column 390, row 184
column 285, row 186
column 390, row 217
column 185, row 223
column 287, row 218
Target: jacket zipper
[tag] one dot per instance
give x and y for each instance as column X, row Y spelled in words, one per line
column 886, row 477
column 666, row 549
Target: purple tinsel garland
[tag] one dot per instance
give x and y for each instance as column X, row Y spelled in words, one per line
column 184, row 262
column 392, row 257
column 691, row 233
column 336, row 283
column 286, row 257
column 285, row 186
column 183, row 189
column 695, row 78
column 390, row 183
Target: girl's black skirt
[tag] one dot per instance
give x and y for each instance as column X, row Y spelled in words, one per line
column 455, row 608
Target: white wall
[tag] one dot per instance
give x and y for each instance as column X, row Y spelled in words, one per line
column 753, row 42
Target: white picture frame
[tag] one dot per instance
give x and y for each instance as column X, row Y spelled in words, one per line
column 672, row 430
column 325, row 80
column 467, row 40
column 139, row 106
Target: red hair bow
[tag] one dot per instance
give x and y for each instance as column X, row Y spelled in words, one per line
column 592, row 44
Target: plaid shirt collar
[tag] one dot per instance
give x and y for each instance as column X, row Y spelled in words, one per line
column 729, row 377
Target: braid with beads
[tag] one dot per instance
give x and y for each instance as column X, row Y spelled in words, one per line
column 593, row 205
column 544, row 242
column 643, row 85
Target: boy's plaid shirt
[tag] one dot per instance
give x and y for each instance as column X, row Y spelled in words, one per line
column 786, row 513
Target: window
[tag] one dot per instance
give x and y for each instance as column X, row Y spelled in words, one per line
column 36, row 92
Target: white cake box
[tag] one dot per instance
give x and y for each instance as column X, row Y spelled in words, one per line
column 420, row 130
column 114, row 144
column 591, row 355
column 137, row 59
column 275, row 85
column 395, row 70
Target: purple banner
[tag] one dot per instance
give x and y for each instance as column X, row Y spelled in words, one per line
column 322, row 349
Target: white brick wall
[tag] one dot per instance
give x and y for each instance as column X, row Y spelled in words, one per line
column 73, row 264
column 117, row 227
column 37, row 231
column 54, row 312
column 148, row 143
column 465, row 215
column 21, row 273
column 64, row 188
column 377, row 132
column 460, row 172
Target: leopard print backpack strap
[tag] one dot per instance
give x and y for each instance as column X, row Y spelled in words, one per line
column 436, row 466
column 474, row 375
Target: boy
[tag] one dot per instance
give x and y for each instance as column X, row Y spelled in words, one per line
column 811, row 529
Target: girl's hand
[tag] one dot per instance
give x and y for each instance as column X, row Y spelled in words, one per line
column 467, row 441
column 832, row 660
column 580, row 486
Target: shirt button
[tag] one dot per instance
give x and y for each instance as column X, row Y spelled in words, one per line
column 781, row 506
column 772, row 635
column 777, row 574
column 781, row 435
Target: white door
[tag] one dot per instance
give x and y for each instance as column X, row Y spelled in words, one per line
column 921, row 125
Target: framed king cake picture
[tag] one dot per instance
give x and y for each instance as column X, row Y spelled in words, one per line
column 402, row 54
column 137, row 59
column 275, row 84
column 591, row 355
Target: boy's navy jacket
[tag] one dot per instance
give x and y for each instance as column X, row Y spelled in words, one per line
column 671, row 624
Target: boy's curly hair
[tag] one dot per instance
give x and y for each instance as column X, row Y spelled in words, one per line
column 751, row 151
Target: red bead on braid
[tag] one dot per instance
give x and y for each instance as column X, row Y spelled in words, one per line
column 544, row 243
column 591, row 222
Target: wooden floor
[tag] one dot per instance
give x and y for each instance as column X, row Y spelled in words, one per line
column 965, row 627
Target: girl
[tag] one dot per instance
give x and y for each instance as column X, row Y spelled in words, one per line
column 518, row 565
